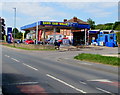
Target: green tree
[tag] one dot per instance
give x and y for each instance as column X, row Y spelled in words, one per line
column 15, row 32
column 107, row 26
column 91, row 22
column 116, row 26
column 99, row 26
column 18, row 34
column 27, row 31
column 118, row 37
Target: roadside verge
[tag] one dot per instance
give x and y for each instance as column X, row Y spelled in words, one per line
column 98, row 59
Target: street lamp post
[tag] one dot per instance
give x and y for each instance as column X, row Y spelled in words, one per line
column 14, row 25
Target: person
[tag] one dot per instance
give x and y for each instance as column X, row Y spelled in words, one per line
column 57, row 44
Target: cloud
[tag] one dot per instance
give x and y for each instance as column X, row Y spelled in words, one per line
column 60, row 0
column 0, row 8
column 99, row 12
column 99, row 9
column 74, row 5
column 32, row 9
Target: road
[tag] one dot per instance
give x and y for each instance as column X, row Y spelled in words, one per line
column 50, row 72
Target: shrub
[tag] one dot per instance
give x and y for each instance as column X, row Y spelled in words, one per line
column 118, row 37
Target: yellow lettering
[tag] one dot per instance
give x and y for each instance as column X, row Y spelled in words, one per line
column 47, row 23
column 54, row 23
column 63, row 24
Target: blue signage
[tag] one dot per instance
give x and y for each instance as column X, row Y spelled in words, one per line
column 9, row 34
column 63, row 24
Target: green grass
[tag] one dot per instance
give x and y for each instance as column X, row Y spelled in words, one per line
column 28, row 48
column 98, row 59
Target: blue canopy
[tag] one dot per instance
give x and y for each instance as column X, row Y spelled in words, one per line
column 93, row 31
column 65, row 24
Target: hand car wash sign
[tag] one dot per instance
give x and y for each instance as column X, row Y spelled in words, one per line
column 54, row 23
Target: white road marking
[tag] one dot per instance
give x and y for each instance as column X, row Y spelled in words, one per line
column 101, row 80
column 26, row 83
column 82, row 82
column 66, row 58
column 1, row 91
column 85, row 63
column 30, row 67
column 15, row 59
column 66, row 83
column 7, row 56
column 103, row 90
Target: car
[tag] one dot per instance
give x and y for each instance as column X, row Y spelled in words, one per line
column 29, row 41
column 40, row 42
column 19, row 41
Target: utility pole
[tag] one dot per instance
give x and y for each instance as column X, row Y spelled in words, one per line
column 14, row 25
column 36, row 33
column 85, row 36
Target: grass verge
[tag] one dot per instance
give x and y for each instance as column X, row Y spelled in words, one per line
column 98, row 59
column 28, row 48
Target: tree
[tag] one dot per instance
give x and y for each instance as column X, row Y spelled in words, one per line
column 14, row 32
column 27, row 31
column 18, row 35
column 107, row 26
column 91, row 22
column 2, row 28
column 118, row 37
column 99, row 26
column 116, row 26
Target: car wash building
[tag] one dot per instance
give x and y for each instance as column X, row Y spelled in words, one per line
column 74, row 27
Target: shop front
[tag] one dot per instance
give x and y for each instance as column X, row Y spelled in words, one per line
column 43, row 27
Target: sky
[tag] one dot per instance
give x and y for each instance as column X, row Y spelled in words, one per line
column 27, row 12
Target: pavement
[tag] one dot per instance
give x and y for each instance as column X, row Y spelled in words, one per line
column 105, row 51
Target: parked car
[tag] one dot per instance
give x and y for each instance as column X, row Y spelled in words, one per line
column 17, row 41
column 24, row 40
column 29, row 41
column 40, row 42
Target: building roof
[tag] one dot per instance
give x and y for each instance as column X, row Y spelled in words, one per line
column 76, row 20
column 72, row 23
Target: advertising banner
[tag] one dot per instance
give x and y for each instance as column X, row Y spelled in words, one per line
column 39, row 35
column 54, row 23
column 9, row 34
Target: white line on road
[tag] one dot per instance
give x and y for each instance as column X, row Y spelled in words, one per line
column 66, row 83
column 7, row 56
column 85, row 63
column 1, row 91
column 82, row 82
column 26, row 83
column 15, row 59
column 30, row 67
column 101, row 80
column 103, row 90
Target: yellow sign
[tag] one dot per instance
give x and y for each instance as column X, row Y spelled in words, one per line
column 54, row 23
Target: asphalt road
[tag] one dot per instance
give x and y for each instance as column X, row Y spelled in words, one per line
column 54, row 72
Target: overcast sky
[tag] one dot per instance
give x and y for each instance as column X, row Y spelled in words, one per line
column 28, row 12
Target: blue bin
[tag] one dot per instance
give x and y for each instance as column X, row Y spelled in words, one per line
column 110, row 44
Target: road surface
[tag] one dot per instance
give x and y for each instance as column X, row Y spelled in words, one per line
column 54, row 72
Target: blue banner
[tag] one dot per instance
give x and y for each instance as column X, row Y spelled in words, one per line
column 9, row 34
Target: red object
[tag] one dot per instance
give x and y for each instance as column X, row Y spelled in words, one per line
column 39, row 35
column 60, row 41
column 30, row 89
column 29, row 41
column 65, row 38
